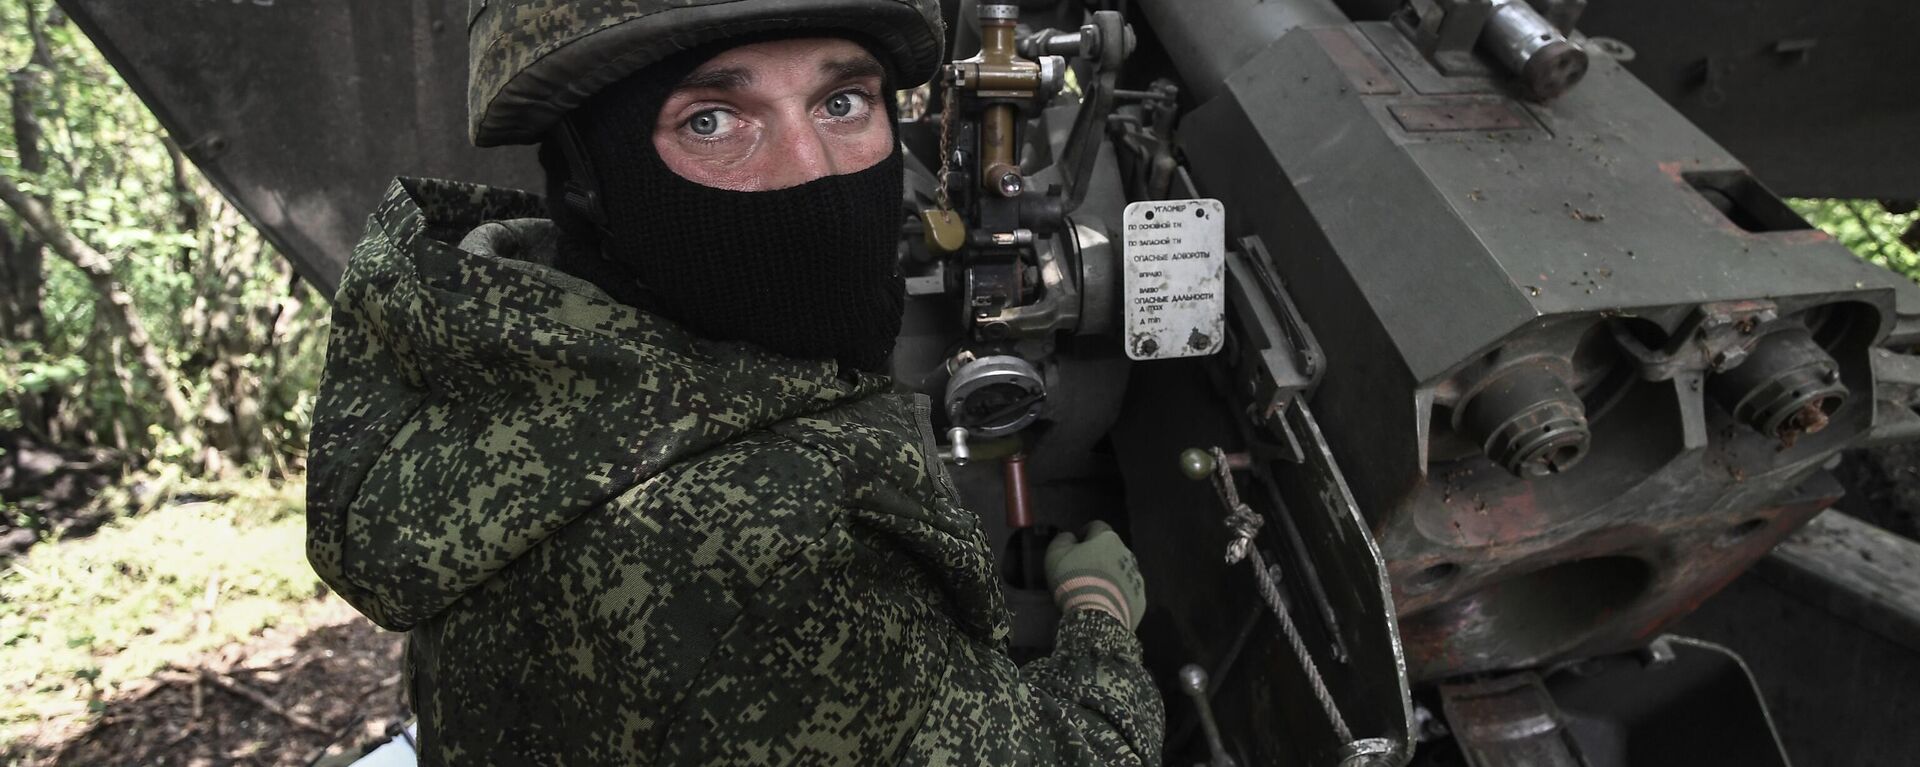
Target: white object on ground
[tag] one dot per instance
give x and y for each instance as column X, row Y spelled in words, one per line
column 394, row 753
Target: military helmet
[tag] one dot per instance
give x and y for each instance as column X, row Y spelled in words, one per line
column 531, row 61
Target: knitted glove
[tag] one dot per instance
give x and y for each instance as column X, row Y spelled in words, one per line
column 1096, row 574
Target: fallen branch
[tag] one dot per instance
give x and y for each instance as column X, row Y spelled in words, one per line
column 314, row 757
column 193, row 728
column 259, row 698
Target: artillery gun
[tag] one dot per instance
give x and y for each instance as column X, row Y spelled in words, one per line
column 1438, row 357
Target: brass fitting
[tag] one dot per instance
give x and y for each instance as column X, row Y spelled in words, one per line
column 1004, row 78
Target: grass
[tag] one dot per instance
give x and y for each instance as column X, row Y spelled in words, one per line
column 81, row 618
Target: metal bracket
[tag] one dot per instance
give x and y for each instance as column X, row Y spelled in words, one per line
column 1058, row 308
column 1509, row 721
column 1445, row 31
column 1714, row 338
column 1114, row 40
column 1278, row 357
column 1896, row 392
column 1364, row 664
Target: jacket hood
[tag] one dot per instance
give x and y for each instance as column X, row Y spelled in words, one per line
column 473, row 403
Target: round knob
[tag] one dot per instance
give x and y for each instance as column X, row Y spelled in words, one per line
column 1197, row 463
column 1193, row 680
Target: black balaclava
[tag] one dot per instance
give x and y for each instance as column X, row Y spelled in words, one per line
column 808, row 271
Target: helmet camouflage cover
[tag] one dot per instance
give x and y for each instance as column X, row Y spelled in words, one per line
column 531, row 61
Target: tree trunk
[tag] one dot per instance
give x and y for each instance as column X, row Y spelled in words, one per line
column 186, row 205
column 115, row 303
column 22, row 262
column 233, row 336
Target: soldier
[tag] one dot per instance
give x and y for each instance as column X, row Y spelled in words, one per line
column 622, row 462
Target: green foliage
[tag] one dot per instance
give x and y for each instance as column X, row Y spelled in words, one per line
column 27, row 369
column 36, row 376
column 221, row 306
column 1867, row 228
column 81, row 618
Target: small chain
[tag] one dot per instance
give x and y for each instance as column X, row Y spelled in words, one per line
column 946, row 148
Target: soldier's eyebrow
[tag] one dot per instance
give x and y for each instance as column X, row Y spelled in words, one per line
column 723, row 79
column 852, row 69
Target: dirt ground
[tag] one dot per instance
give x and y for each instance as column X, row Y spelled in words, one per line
column 285, row 698
column 51, row 487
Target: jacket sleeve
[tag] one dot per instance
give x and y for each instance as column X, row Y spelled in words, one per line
column 848, row 657
column 1094, row 688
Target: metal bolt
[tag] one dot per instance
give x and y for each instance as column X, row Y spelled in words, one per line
column 1011, row 185
column 1659, row 652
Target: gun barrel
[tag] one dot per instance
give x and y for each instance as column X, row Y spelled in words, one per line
column 1208, row 46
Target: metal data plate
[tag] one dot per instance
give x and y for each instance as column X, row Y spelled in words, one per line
column 1175, row 278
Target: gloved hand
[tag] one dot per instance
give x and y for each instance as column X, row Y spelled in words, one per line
column 1096, row 574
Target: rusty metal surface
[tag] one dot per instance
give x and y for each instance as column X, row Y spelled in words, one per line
column 302, row 112
column 1538, row 244
column 1509, row 721
column 1461, row 113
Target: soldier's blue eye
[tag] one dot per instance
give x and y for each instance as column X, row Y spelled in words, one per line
column 713, row 123
column 705, row 123
column 845, row 104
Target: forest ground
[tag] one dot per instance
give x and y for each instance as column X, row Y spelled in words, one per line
column 282, row 697
column 226, row 650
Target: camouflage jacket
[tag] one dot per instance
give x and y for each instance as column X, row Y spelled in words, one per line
column 615, row 543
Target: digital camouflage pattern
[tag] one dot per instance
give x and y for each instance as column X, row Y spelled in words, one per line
column 615, row 543
column 531, row 61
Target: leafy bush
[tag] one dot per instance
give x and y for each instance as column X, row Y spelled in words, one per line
column 1867, row 228
column 240, row 335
